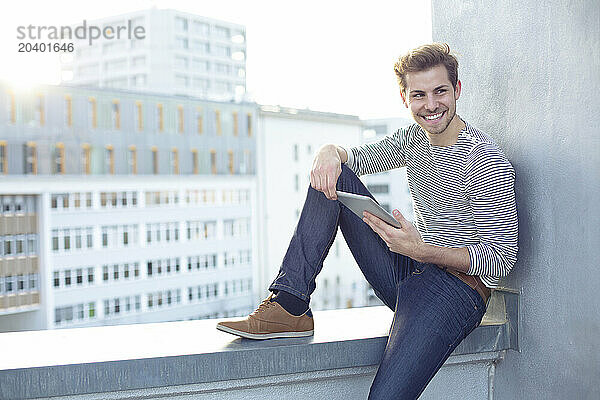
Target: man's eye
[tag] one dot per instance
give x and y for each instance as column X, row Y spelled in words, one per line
column 441, row 91
column 417, row 96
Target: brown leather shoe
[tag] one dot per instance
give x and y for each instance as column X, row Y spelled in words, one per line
column 269, row 321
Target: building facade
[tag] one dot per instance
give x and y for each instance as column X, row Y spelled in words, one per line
column 179, row 54
column 121, row 207
column 289, row 140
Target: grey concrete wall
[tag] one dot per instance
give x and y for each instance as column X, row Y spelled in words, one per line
column 531, row 78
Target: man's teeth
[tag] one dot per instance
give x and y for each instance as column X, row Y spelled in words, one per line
column 434, row 116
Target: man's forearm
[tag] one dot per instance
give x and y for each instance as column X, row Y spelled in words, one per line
column 453, row 258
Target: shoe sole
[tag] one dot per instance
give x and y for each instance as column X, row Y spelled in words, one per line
column 260, row 336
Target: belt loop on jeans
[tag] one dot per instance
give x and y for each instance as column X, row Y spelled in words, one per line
column 473, row 281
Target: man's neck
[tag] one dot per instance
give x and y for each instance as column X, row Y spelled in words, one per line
column 450, row 134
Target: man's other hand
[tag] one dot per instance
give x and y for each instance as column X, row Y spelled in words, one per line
column 406, row 240
column 326, row 170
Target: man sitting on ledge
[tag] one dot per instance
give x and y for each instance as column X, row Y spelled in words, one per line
column 436, row 275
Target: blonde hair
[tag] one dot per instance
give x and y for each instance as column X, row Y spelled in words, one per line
column 426, row 57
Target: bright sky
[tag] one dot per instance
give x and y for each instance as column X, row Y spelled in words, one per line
column 327, row 55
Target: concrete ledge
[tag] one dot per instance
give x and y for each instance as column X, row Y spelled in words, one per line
column 162, row 357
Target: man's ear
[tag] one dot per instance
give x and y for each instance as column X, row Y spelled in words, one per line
column 457, row 90
column 403, row 98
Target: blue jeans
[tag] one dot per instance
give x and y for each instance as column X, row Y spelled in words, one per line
column 433, row 309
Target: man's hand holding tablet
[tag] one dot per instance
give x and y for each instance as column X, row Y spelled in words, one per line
column 399, row 234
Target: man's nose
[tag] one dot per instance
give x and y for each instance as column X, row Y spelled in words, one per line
column 431, row 103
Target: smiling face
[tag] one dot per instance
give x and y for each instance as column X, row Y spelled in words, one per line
column 432, row 101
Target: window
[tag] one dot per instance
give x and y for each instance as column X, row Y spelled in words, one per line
column 200, row 28
column 54, row 241
column 181, row 24
column 235, row 123
column 86, row 158
column 138, row 80
column 154, row 160
column 116, row 114
column 92, row 113
column 218, row 126
column 201, row 47
column 223, row 51
column 59, row 158
column 109, row 160
column 195, row 165
column 90, row 272
column 31, row 158
column 182, row 43
column 132, row 160
column 68, row 111
column 222, row 69
column 199, row 65
column 3, row 158
column 31, row 244
column 78, row 242
column 12, row 107
column 230, row 162
column 180, row 123
column 221, row 32
column 199, row 120
column 249, row 124
column 295, row 152
column 40, row 116
column 67, row 239
column 174, row 161
column 213, row 161
column 139, row 116
column 20, row 245
column 89, row 237
column 159, row 117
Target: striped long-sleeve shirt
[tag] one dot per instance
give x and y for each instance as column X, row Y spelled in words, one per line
column 463, row 194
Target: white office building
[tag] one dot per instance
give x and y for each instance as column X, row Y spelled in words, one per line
column 117, row 250
column 179, row 54
column 289, row 139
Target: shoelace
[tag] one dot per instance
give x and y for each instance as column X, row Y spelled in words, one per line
column 265, row 305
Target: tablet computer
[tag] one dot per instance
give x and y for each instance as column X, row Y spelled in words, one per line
column 359, row 203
